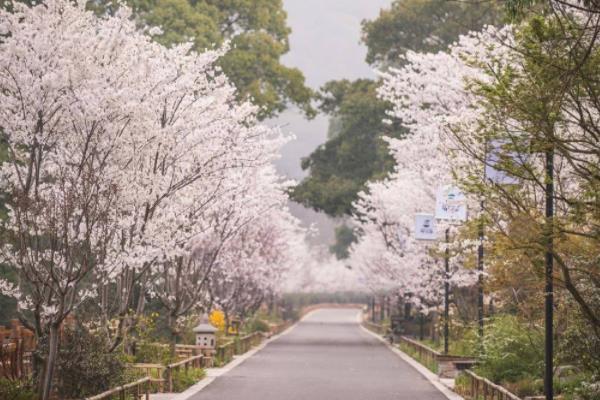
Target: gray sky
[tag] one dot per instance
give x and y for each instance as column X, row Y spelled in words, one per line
column 325, row 37
column 325, row 45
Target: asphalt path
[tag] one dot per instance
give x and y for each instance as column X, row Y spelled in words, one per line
column 327, row 356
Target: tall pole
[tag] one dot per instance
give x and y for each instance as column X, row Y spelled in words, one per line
column 549, row 292
column 382, row 309
column 446, row 292
column 373, row 309
column 480, row 311
column 480, row 255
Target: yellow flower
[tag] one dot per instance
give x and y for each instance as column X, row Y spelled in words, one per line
column 217, row 319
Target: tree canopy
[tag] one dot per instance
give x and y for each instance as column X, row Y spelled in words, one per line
column 422, row 25
column 256, row 31
column 355, row 151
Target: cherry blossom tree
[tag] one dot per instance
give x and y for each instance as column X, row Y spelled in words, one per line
column 131, row 169
column 238, row 247
column 427, row 94
column 65, row 115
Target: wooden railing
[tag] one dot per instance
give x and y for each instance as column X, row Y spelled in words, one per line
column 247, row 342
column 379, row 329
column 182, row 351
column 187, row 350
column 139, row 389
column 277, row 329
column 155, row 372
column 225, row 352
column 424, row 354
column 192, row 362
column 161, row 374
column 16, row 362
column 479, row 388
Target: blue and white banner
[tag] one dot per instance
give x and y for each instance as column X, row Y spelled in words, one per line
column 425, row 227
column 450, row 204
column 496, row 153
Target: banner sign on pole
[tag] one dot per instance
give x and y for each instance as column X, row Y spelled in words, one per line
column 494, row 155
column 450, row 204
column 425, row 227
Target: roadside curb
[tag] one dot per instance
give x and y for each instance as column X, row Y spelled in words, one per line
column 214, row 373
column 430, row 376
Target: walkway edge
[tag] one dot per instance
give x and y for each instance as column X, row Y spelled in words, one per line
column 430, row 376
column 214, row 373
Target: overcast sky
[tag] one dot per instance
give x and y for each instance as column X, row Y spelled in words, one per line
column 325, row 37
column 325, row 45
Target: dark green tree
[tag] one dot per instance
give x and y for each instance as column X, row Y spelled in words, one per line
column 257, row 33
column 423, row 25
column 355, row 151
column 344, row 237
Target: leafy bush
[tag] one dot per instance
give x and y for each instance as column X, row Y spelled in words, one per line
column 462, row 383
column 183, row 379
column 577, row 341
column 588, row 391
column 258, row 325
column 85, row 367
column 512, row 351
column 16, row 390
column 152, row 353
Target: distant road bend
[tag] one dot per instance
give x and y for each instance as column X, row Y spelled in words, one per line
column 327, row 356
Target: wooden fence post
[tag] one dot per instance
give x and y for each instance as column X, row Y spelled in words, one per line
column 170, row 379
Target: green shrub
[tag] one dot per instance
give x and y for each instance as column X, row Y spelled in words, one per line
column 152, row 353
column 467, row 344
column 588, row 390
column 512, row 351
column 576, row 343
column 462, row 384
column 183, row 379
column 258, row 325
column 16, row 390
column 85, row 367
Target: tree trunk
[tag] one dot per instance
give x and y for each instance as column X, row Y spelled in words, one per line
column 174, row 334
column 226, row 315
column 48, row 375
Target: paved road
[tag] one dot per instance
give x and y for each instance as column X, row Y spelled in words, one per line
column 325, row 357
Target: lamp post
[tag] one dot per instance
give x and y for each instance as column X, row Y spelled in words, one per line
column 549, row 290
column 373, row 309
column 446, row 292
column 480, row 311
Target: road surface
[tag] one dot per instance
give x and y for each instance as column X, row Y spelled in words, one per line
column 327, row 356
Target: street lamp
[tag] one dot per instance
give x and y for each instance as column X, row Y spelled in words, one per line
column 446, row 291
column 549, row 290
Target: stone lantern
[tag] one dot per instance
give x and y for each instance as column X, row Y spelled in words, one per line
column 206, row 335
